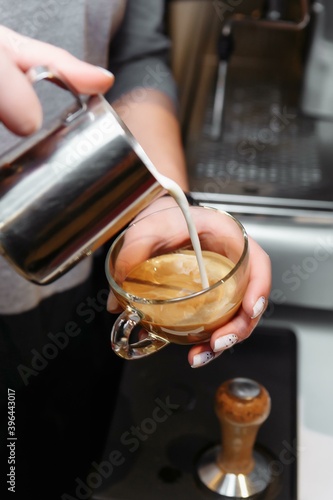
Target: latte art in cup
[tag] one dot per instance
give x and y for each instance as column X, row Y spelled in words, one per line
column 175, row 275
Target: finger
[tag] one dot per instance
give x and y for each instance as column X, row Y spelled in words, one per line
column 238, row 329
column 112, row 304
column 260, row 279
column 241, row 326
column 20, row 109
column 27, row 52
column 201, row 355
column 223, row 339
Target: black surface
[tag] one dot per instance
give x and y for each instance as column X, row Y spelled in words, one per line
column 158, row 448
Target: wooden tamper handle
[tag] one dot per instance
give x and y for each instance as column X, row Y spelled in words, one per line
column 235, row 469
column 241, row 405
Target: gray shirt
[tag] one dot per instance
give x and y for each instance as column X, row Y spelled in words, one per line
column 137, row 55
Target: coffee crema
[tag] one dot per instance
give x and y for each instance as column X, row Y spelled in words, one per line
column 176, row 276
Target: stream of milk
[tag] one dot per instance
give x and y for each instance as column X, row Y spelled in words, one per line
column 179, row 196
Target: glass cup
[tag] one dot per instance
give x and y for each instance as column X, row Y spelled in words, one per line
column 154, row 274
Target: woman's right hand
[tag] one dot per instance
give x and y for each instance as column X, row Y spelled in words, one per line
column 20, row 109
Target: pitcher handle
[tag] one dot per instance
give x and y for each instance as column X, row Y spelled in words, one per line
column 39, row 73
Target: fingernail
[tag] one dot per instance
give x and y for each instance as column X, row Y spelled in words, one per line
column 105, row 71
column 225, row 342
column 202, row 358
column 258, row 307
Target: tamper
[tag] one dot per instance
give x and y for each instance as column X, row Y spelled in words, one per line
column 235, row 469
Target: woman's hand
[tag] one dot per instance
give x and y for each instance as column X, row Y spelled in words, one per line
column 248, row 316
column 254, row 302
column 20, row 109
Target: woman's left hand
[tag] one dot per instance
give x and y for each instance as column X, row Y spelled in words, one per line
column 248, row 316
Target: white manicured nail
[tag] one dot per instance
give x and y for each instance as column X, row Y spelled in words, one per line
column 225, row 342
column 202, row 359
column 105, row 71
column 258, row 307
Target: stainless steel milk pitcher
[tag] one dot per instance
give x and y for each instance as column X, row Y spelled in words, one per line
column 67, row 191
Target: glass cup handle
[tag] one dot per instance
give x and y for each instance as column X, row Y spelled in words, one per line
column 120, row 336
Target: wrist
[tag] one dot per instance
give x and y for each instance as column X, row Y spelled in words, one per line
column 189, row 197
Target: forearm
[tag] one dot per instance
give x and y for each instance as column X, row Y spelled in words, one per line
column 152, row 120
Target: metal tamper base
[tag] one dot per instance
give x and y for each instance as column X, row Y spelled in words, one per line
column 232, row 484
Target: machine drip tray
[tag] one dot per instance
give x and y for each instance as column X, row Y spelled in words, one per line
column 165, row 419
column 268, row 149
